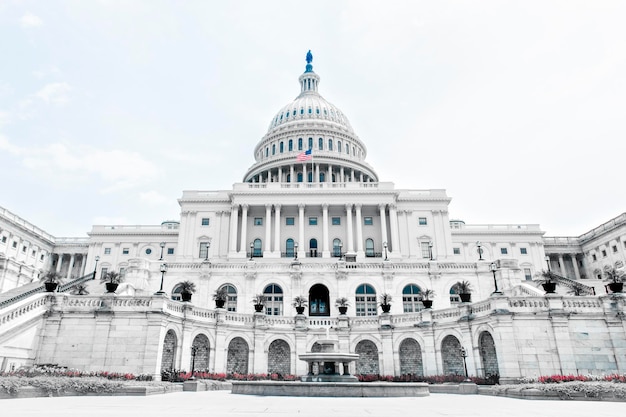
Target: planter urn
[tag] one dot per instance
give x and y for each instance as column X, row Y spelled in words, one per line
column 111, row 286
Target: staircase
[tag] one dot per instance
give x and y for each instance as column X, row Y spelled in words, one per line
column 575, row 286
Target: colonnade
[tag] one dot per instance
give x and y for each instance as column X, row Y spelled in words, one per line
column 322, row 172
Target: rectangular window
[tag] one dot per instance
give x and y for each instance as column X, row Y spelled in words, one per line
column 312, row 221
column 336, row 221
column 456, row 251
column 422, row 221
column 368, row 221
column 504, row 251
column 205, row 221
column 103, row 272
column 523, row 251
column 425, row 250
column 594, row 257
column 125, row 251
column 170, row 251
column 4, row 239
column 14, row 245
column 41, row 258
column 290, row 221
column 107, row 251
column 614, row 249
column 603, row 253
column 204, row 250
column 24, row 249
column 33, row 253
column 258, row 221
column 527, row 274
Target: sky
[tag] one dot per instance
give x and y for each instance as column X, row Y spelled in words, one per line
column 110, row 109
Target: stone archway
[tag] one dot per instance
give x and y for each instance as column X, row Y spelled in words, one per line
column 451, row 356
column 279, row 358
column 367, row 364
column 488, row 356
column 411, row 358
column 237, row 359
column 202, row 348
column 169, row 351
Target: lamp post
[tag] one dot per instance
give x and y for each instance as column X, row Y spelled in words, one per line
column 340, row 251
column 163, row 271
column 295, row 247
column 194, row 351
column 95, row 267
column 385, row 247
column 547, row 258
column 206, row 257
column 480, row 251
column 430, row 249
column 464, row 356
column 162, row 245
column 251, row 250
column 494, row 267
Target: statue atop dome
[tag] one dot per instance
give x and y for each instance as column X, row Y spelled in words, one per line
column 309, row 59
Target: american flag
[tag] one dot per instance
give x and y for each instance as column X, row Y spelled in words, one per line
column 305, row 156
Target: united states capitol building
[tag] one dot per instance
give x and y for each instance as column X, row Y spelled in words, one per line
column 311, row 219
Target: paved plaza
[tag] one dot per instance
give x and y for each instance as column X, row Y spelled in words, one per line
column 223, row 403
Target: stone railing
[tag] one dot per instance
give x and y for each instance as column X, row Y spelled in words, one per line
column 26, row 310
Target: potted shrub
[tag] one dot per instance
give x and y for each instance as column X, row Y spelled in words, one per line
column 300, row 303
column 51, row 281
column 79, row 289
column 220, row 296
column 385, row 302
column 342, row 304
column 547, row 280
column 465, row 291
column 615, row 279
column 187, row 288
column 426, row 298
column 112, row 280
column 259, row 302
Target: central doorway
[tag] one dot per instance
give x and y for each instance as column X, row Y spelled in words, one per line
column 319, row 302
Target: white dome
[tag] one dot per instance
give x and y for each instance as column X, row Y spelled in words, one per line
column 310, row 105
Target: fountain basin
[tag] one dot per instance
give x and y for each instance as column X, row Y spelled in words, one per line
column 331, row 389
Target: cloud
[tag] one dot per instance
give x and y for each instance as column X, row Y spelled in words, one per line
column 29, row 20
column 54, row 93
column 103, row 220
column 154, row 198
column 114, row 169
column 5, row 119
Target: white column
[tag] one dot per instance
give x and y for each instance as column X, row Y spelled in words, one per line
column 234, row 214
column 315, row 168
column 291, row 173
column 304, row 177
column 59, row 262
column 301, row 243
column 359, row 231
column 329, row 177
column 277, row 230
column 267, row 245
column 325, row 250
column 341, row 175
column 383, row 224
column 350, row 234
column 575, row 263
column 393, row 220
column 70, row 267
column 562, row 265
column 280, row 174
column 352, row 175
column 243, row 245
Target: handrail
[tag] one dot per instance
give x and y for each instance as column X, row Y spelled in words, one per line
column 570, row 283
column 68, row 285
column 36, row 290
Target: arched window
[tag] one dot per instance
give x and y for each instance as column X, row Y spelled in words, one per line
column 337, row 248
column 300, row 144
column 273, row 149
column 176, row 292
column 273, row 300
column 299, row 176
column 365, row 300
column 411, row 298
column 330, row 144
column 347, row 149
column 310, row 143
column 338, row 146
column 267, row 152
column 313, row 248
column 289, row 248
column 310, row 175
column 321, row 143
column 369, row 248
column 322, row 177
column 454, row 294
column 282, row 147
column 258, row 250
column 290, row 145
column 231, row 299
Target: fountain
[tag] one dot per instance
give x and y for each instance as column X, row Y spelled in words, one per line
column 327, row 364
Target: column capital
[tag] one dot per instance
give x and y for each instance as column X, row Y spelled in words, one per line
column 348, row 207
column 382, row 206
column 277, row 207
column 234, row 207
column 301, row 205
column 392, row 206
column 268, row 207
column 325, row 206
column 358, row 206
column 245, row 206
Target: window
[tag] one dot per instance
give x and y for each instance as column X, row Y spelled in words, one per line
column 282, row 147
column 205, row 221
column 594, row 257
column 300, row 144
column 41, row 258
column 523, row 251
column 33, row 253
column 368, row 221
column 170, row 251
column 267, row 152
column 614, row 249
column 148, row 251
column 312, row 221
column 289, row 248
column 290, row 145
column 273, row 149
column 528, row 274
column 273, row 300
column 104, row 272
column 454, row 294
column 330, row 144
column 603, row 253
column 231, row 299
column 107, row 251
column 257, row 248
column 176, row 293
column 456, row 251
column 365, row 301
column 258, row 221
column 310, row 143
column 411, row 299
column 320, row 144
column 338, row 146
column 125, row 251
column 300, row 177
column 14, row 245
column 24, row 249
column 290, row 221
column 337, row 248
column 204, row 250
column 425, row 250
column 4, row 239
column 369, row 248
column 336, row 221
column 422, row 221
column 504, row 251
